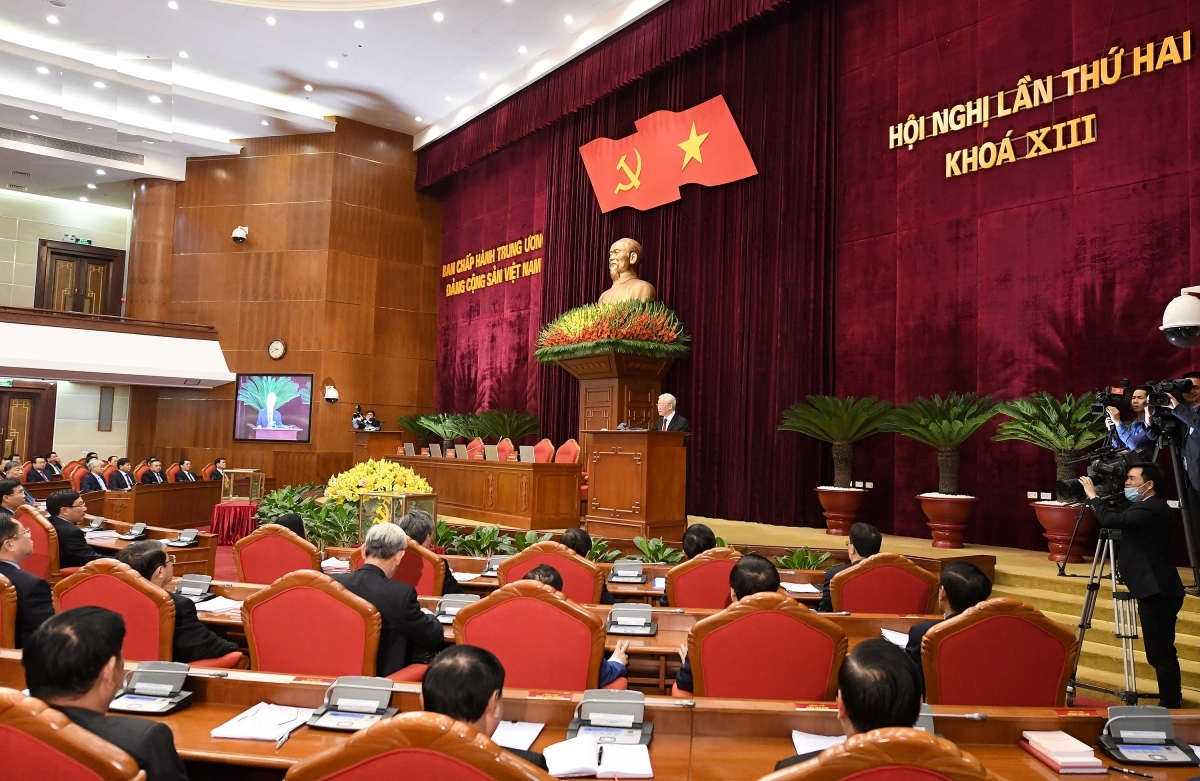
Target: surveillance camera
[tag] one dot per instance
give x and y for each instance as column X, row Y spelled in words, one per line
column 331, row 394
column 240, row 233
column 1181, row 319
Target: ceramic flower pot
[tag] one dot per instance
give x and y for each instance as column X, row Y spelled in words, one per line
column 947, row 517
column 1058, row 521
column 841, row 508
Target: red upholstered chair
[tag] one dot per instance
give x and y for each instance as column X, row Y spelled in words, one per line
column 271, row 552
column 891, row 754
column 543, row 452
column 504, row 449
column 1028, row 657
column 306, row 623
column 25, row 467
column 475, row 448
column 70, row 469
column 704, row 581
column 420, row 568
column 108, row 473
column 208, row 470
column 583, row 581
column 8, row 613
column 43, row 562
column 544, row 640
column 416, row 746
column 885, row 583
column 171, row 471
column 77, row 478
column 568, row 453
column 775, row 631
column 139, row 470
column 39, row 744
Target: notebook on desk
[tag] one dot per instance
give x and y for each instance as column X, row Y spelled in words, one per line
column 527, row 455
column 583, row 756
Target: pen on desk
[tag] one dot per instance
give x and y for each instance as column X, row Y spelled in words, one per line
column 282, row 739
column 1129, row 772
column 599, row 756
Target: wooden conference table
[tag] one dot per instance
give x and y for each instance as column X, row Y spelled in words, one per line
column 653, row 660
column 198, row 559
column 699, row 740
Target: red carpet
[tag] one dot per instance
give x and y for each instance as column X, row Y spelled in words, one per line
column 225, row 570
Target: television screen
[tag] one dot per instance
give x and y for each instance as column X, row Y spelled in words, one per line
column 275, row 407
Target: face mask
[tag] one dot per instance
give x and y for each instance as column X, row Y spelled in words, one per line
column 1132, row 494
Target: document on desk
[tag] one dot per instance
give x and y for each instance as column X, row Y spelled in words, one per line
column 100, row 536
column 335, row 565
column 263, row 722
column 806, row 742
column 800, row 588
column 516, row 734
column 895, row 638
column 583, row 756
column 465, row 577
column 218, row 605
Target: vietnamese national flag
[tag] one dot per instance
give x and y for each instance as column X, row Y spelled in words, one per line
column 699, row 146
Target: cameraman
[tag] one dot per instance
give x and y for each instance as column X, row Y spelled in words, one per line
column 1146, row 565
column 1189, row 414
column 366, row 423
column 1139, row 435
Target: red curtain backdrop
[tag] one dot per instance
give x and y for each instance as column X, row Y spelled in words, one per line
column 1047, row 274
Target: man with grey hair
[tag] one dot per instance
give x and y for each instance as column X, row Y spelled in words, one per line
column 420, row 526
column 94, row 479
column 668, row 420
column 406, row 630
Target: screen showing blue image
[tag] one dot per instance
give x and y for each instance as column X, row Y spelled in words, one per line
column 275, row 407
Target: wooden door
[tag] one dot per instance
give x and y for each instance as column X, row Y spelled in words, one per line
column 79, row 278
column 16, row 422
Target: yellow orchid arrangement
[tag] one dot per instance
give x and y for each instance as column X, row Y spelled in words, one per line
column 375, row 475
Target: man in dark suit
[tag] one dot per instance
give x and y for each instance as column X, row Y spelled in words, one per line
column 753, row 574
column 122, row 479
column 963, row 585
column 53, row 465
column 1145, row 561
column 153, row 475
column 580, row 541
column 467, row 684
column 12, row 496
column 877, row 688
column 864, row 541
column 185, row 475
column 219, row 471
column 420, row 528
column 67, row 510
column 193, row 640
column 669, row 421
column 73, row 663
column 405, row 627
column 14, row 470
column 94, row 479
column 37, row 472
column 34, row 603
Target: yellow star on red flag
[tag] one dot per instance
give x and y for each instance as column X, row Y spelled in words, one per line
column 691, row 147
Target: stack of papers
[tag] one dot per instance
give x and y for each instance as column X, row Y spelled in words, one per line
column 218, row 605
column 800, row 588
column 464, row 577
column 516, row 734
column 583, row 756
column 335, row 565
column 895, row 638
column 263, row 722
column 806, row 742
column 98, row 536
column 1062, row 753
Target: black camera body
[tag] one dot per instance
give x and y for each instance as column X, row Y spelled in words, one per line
column 1112, row 396
column 1107, row 469
column 1163, row 391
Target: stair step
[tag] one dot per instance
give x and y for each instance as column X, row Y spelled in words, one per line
column 1191, row 696
column 1108, row 658
column 1102, row 633
column 1072, row 605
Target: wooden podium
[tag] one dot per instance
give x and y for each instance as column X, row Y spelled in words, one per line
column 377, row 444
column 637, row 484
column 616, row 388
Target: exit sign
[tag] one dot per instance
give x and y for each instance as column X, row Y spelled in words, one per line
column 5, row 382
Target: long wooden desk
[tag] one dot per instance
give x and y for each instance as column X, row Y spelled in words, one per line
column 198, row 559
column 730, row 740
column 169, row 505
column 42, row 490
column 510, row 493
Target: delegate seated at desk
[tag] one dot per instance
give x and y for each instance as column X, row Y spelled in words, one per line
column 962, row 586
column 73, row 663
column 153, row 475
column 94, row 480
column 38, row 472
column 122, row 479
column 420, row 527
column 864, row 541
column 617, row 664
column 67, row 510
column 35, row 605
column 12, row 471
column 12, row 496
column 580, row 541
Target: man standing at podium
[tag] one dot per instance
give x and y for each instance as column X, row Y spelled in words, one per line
column 668, row 420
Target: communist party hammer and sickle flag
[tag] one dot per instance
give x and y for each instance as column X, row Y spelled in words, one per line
column 701, row 145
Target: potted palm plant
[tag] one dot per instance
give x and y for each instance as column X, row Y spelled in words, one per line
column 841, row 423
column 945, row 424
column 1065, row 427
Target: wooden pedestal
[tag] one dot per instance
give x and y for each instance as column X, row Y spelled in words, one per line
column 637, row 484
column 615, row 388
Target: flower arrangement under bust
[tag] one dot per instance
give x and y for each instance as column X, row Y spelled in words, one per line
column 636, row 327
column 375, row 475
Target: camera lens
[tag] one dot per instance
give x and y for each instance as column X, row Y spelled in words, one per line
column 1070, row 490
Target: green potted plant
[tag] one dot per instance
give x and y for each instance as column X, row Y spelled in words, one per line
column 945, row 424
column 655, row 551
column 841, row 423
column 1065, row 427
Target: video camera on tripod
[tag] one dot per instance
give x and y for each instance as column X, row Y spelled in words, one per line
column 1107, row 467
column 1112, row 396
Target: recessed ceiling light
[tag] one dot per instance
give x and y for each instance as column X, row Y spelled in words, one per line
column 263, row 122
column 483, row 76
column 148, row 142
column 183, row 55
column 308, row 88
column 359, row 23
column 174, row 6
column 448, row 98
column 42, row 69
column 85, row 200
column 568, row 19
column 418, row 119
column 522, row 50
column 100, row 172
column 332, row 63
column 438, row 16
column 91, row 187
column 99, row 84
column 52, row 19
column 270, row 20
column 155, row 99
column 33, row 116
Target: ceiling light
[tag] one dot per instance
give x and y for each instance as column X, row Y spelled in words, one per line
column 174, row 6
column 418, row 119
column 308, row 88
column 183, row 55
column 483, row 76
column 91, row 187
column 151, row 143
column 42, row 69
column 522, row 50
column 155, row 99
column 568, row 19
column 52, row 19
column 99, row 84
column 263, row 122
column 359, row 23
column 100, row 172
column 448, row 98
column 439, row 16
column 33, row 116
column 332, row 63
column 85, row 200
column 270, row 20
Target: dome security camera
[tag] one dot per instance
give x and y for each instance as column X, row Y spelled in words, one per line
column 331, row 394
column 240, row 233
column 1181, row 319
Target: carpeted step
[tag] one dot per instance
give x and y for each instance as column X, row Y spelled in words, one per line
column 1102, row 633
column 1191, row 697
column 1108, row 659
column 1072, row 605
